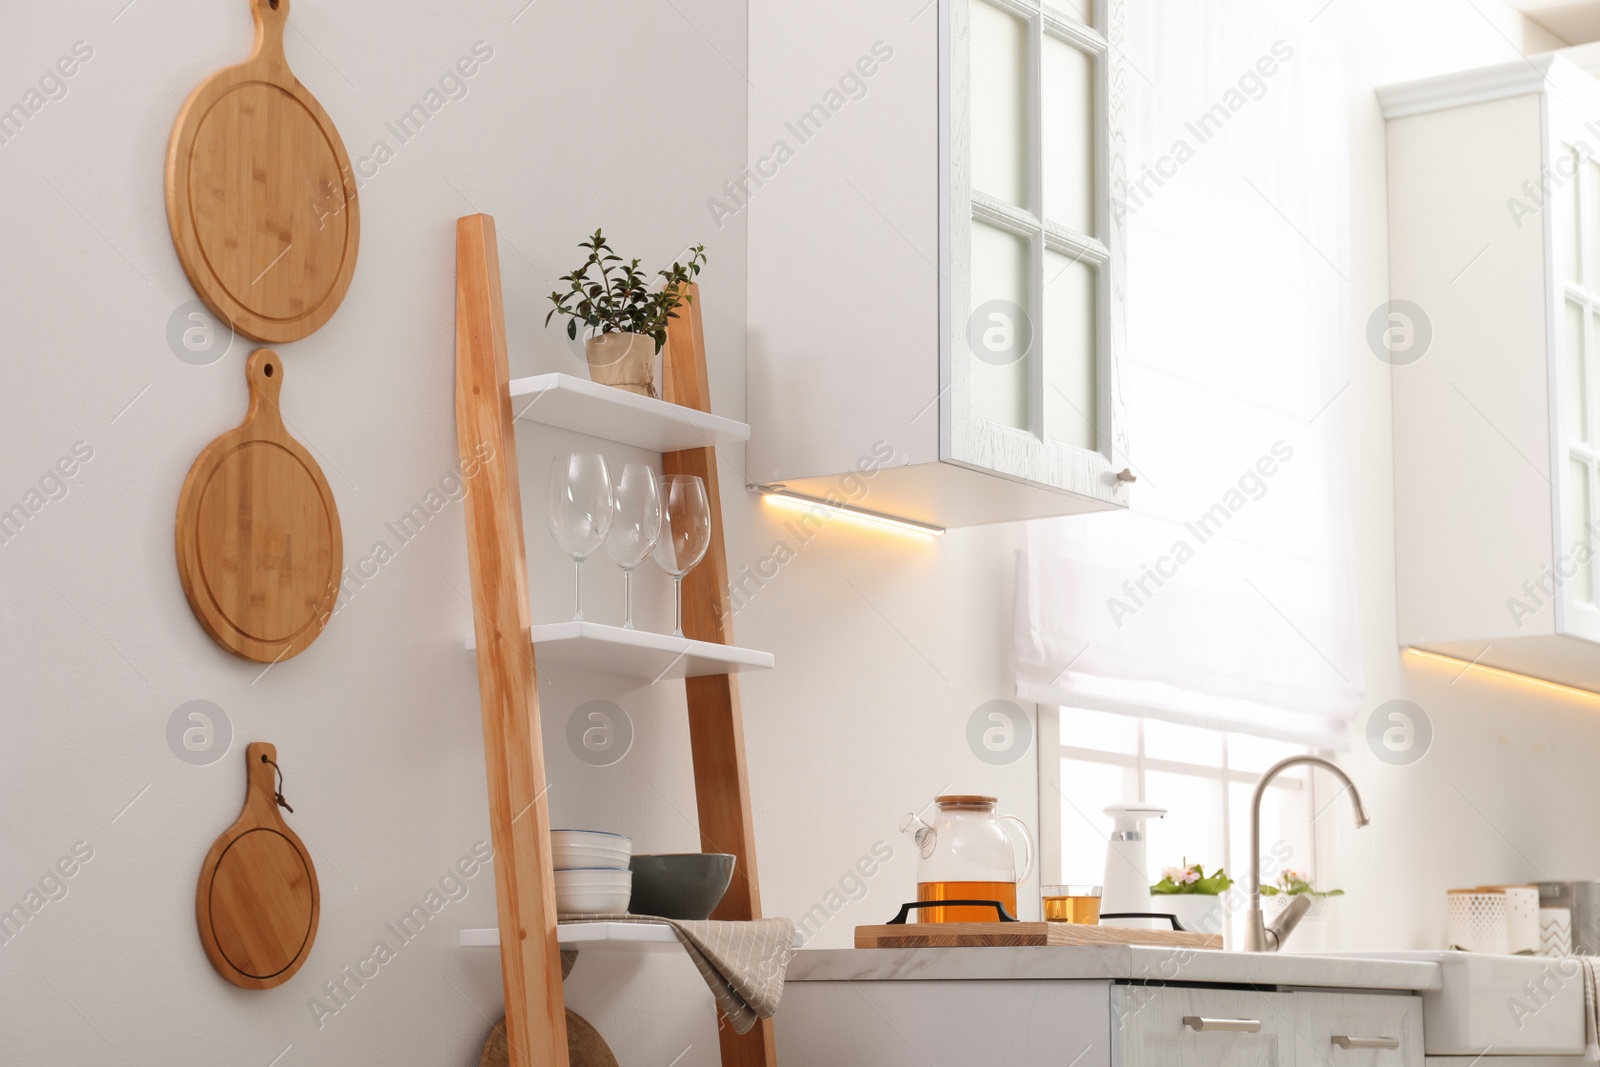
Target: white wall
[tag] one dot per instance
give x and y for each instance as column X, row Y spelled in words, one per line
column 885, row 645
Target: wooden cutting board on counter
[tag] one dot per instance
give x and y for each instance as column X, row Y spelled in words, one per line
column 980, row 935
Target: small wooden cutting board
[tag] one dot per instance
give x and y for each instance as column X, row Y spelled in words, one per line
column 966, row 935
column 259, row 547
column 260, row 196
column 257, row 902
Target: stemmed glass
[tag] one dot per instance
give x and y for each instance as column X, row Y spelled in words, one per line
column 635, row 528
column 580, row 510
column 685, row 533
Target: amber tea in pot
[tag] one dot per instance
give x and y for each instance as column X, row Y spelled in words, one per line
column 966, row 854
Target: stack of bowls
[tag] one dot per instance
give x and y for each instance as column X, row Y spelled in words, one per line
column 592, row 876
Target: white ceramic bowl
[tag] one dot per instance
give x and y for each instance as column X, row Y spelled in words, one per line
column 593, row 892
column 590, row 850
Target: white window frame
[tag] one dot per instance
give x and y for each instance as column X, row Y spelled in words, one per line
column 964, row 438
column 1052, row 752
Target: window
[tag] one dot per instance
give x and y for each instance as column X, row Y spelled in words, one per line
column 1032, row 212
column 1204, row 778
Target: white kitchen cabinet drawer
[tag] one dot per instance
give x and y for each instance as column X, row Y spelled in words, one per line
column 1358, row 1029
column 944, row 1024
column 1154, row 1026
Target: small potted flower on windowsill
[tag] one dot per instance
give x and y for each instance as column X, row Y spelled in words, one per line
column 623, row 316
column 1312, row 933
column 1195, row 897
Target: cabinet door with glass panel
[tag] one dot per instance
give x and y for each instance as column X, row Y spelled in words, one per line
column 1494, row 256
column 1576, row 294
column 1034, row 316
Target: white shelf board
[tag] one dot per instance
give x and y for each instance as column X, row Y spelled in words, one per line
column 597, row 937
column 600, row 937
column 574, row 403
column 637, row 653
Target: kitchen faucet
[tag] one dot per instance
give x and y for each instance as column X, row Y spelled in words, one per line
column 1259, row 937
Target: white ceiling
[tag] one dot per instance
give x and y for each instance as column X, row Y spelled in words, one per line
column 1574, row 21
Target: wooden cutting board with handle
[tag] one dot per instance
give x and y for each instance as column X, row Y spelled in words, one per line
column 257, row 902
column 259, row 547
column 260, row 196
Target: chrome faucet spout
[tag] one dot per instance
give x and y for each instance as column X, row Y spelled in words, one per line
column 1258, row 936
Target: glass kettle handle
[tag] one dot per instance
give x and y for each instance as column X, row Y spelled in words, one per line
column 1028, row 849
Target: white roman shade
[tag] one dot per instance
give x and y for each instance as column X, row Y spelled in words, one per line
column 1226, row 597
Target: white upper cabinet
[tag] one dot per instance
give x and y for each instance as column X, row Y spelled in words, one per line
column 935, row 282
column 1494, row 240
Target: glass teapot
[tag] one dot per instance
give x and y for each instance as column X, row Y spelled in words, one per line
column 966, row 853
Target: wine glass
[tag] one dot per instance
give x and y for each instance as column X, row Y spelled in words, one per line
column 635, row 528
column 685, row 533
column 580, row 510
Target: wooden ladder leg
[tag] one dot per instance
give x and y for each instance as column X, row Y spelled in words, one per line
column 722, row 795
column 519, row 817
column 716, row 722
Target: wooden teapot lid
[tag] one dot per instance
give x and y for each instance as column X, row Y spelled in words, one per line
column 965, row 802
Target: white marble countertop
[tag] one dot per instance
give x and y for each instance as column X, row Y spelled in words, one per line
column 1103, row 962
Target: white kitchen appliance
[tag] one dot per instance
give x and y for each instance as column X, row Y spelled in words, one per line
column 1127, row 878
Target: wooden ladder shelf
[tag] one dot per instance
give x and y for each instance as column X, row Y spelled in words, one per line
column 530, row 954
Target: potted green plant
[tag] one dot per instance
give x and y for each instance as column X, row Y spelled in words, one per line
column 622, row 313
column 1312, row 933
column 1195, row 897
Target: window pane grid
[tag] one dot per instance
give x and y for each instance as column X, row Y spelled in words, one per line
column 1057, row 238
column 1038, row 76
column 1208, row 796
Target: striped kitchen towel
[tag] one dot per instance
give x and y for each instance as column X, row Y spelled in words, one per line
column 744, row 963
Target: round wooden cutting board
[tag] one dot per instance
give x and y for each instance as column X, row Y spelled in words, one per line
column 260, row 195
column 257, row 902
column 585, row 1046
column 259, row 547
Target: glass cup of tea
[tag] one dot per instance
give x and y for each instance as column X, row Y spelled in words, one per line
column 1072, row 904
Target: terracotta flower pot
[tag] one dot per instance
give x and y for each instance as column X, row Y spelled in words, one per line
column 623, row 360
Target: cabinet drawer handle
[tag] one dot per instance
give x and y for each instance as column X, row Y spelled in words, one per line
column 1222, row 1026
column 1344, row 1041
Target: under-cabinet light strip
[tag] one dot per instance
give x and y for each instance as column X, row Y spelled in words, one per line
column 1469, row 665
column 783, row 494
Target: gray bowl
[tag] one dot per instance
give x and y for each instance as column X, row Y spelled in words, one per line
column 688, row 885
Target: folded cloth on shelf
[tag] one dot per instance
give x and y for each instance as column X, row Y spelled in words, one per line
column 744, row 963
column 1591, row 1009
